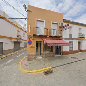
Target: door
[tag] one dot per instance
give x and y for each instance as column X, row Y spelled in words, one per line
column 1, row 48
column 40, row 27
column 16, row 46
column 79, row 44
column 38, row 48
column 58, row 50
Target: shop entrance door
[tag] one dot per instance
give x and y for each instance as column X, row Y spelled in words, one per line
column 58, row 50
column 16, row 46
column 38, row 48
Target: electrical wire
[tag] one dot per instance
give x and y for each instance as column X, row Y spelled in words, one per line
column 12, row 7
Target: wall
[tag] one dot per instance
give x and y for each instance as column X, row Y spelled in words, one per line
column 48, row 16
column 7, row 29
column 65, row 33
column 75, row 45
column 83, row 45
column 66, row 48
column 7, row 44
column 22, row 44
column 32, row 48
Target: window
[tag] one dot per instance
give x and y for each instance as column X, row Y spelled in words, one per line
column 71, row 46
column 70, row 35
column 53, row 32
column 48, row 48
column 40, row 27
column 54, row 29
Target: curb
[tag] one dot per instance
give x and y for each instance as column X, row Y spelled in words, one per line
column 10, row 54
column 32, row 71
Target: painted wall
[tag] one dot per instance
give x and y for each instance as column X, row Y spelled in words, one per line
column 65, row 33
column 7, row 29
column 42, row 14
column 83, row 45
column 32, row 47
column 75, row 45
column 7, row 44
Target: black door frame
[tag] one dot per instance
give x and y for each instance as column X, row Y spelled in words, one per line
column 58, row 50
column 39, row 43
column 2, row 47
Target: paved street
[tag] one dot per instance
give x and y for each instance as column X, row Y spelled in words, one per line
column 68, row 75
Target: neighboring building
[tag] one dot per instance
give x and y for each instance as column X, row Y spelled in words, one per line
column 12, row 36
column 45, row 32
column 75, row 34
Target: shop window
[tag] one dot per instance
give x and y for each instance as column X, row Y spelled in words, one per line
column 49, row 48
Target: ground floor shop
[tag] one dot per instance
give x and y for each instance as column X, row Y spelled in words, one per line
column 46, row 47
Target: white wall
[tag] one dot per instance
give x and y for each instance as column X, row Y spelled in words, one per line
column 65, row 33
column 22, row 34
column 75, row 31
column 66, row 48
column 83, row 45
column 75, row 45
column 83, row 30
column 7, row 29
column 7, row 44
column 22, row 44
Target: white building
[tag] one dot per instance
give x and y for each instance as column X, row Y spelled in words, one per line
column 12, row 36
column 75, row 34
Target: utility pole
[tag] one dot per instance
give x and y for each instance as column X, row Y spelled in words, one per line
column 28, row 11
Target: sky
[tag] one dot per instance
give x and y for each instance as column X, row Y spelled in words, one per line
column 74, row 10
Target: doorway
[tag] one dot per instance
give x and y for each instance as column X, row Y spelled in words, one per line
column 1, row 48
column 58, row 50
column 79, row 45
column 38, row 48
column 16, row 46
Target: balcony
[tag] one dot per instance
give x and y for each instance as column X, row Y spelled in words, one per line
column 81, row 35
column 41, row 31
column 55, row 32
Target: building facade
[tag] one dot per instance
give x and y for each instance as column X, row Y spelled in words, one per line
column 75, row 34
column 12, row 36
column 45, row 32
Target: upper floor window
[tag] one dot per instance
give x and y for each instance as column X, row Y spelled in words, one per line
column 70, row 35
column 40, row 27
column 71, row 45
column 54, row 29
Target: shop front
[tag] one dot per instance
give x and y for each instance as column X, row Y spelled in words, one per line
column 46, row 47
column 54, row 47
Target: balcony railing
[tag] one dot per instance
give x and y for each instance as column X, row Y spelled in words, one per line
column 55, row 32
column 81, row 35
column 41, row 31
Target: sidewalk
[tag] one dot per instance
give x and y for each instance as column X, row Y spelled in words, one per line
column 54, row 61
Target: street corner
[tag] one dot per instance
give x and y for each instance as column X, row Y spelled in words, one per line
column 24, row 67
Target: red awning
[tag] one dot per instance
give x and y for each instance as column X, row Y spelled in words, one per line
column 51, row 42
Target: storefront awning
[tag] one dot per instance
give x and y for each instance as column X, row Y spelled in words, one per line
column 51, row 42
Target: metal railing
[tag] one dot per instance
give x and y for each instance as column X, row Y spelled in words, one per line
column 41, row 31
column 81, row 35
